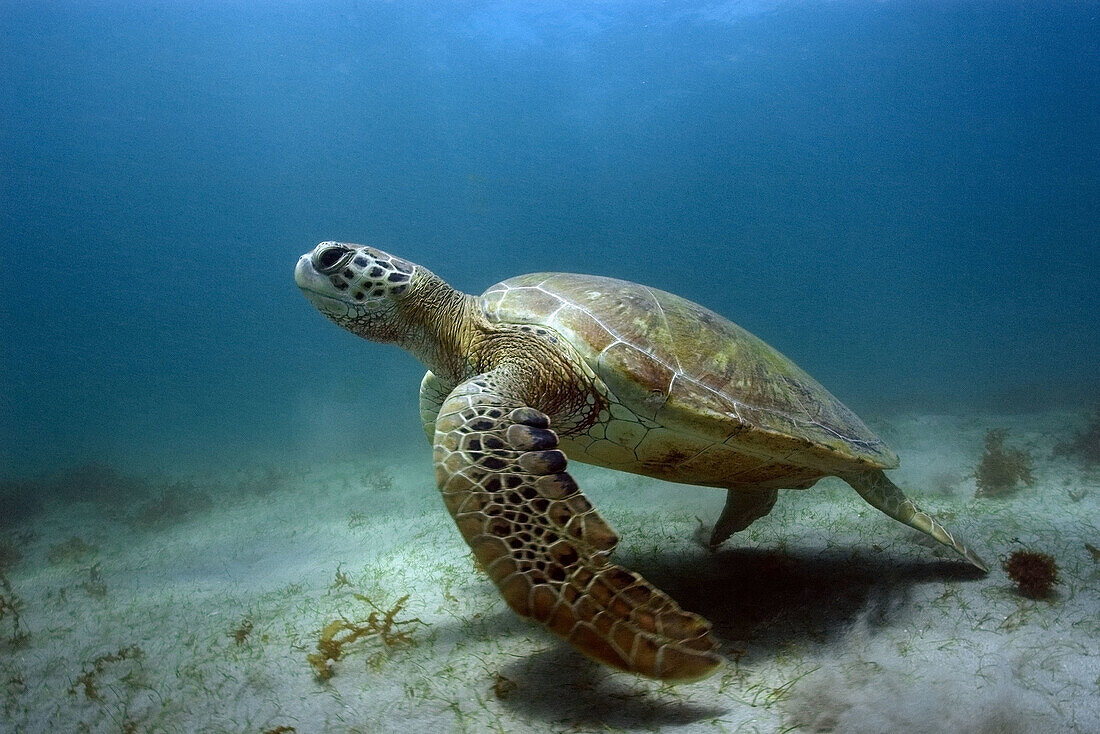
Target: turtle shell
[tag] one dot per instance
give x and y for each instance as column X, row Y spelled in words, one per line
column 687, row 368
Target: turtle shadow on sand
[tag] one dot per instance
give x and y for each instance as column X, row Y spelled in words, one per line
column 559, row 686
column 770, row 599
column 758, row 599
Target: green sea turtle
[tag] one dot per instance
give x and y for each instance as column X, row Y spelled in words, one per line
column 552, row 365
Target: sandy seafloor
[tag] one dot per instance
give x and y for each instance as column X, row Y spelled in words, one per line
column 832, row 616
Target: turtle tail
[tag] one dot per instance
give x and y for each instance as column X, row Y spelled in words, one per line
column 878, row 490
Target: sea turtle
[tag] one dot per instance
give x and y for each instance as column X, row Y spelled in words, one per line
column 553, row 365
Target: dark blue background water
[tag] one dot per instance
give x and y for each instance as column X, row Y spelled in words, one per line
column 903, row 196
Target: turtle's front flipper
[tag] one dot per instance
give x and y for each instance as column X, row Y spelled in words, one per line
column 878, row 490
column 504, row 481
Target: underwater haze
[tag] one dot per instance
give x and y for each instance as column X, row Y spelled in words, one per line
column 218, row 512
column 903, row 197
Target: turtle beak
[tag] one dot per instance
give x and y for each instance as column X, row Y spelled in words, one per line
column 305, row 275
column 315, row 286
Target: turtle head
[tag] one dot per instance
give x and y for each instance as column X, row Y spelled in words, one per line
column 359, row 288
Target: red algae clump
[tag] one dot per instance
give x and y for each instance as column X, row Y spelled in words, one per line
column 1035, row 573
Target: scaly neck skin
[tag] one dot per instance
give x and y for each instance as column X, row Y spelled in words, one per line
column 446, row 330
column 442, row 324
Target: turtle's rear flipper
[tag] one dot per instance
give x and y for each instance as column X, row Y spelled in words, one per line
column 504, row 481
column 743, row 507
column 879, row 491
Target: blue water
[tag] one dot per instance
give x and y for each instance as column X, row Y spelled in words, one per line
column 904, row 197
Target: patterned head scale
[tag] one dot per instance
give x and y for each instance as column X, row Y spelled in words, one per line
column 356, row 286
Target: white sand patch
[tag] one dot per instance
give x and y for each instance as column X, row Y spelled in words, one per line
column 832, row 617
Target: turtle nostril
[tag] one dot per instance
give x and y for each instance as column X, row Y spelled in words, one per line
column 329, row 259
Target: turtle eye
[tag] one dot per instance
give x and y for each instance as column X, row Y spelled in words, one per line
column 330, row 259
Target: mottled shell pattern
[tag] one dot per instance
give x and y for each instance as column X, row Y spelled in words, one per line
column 685, row 367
